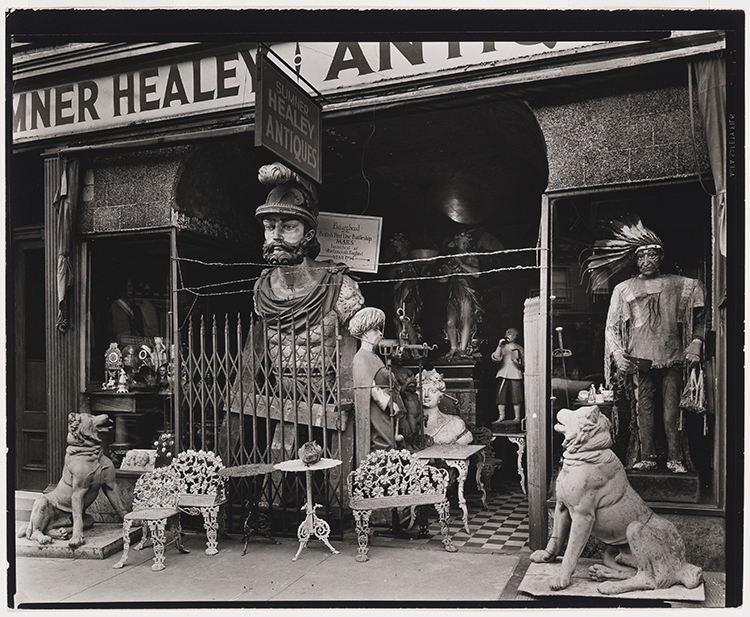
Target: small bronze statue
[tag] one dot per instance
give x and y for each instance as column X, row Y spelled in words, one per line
column 407, row 299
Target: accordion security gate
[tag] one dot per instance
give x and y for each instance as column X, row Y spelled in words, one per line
column 254, row 392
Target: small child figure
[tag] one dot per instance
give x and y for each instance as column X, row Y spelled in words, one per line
column 510, row 375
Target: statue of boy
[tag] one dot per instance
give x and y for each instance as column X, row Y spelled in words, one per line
column 374, row 401
column 510, row 375
column 654, row 317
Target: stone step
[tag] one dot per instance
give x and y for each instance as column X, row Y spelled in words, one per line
column 24, row 502
column 102, row 540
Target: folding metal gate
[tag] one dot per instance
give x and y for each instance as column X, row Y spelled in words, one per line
column 254, row 393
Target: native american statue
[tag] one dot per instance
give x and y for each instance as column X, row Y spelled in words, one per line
column 653, row 335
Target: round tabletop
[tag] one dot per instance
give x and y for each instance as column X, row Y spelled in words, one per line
column 298, row 465
column 246, row 471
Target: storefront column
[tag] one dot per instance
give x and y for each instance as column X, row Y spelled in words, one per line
column 537, row 369
column 61, row 366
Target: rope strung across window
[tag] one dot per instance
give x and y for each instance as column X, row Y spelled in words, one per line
column 195, row 290
column 382, row 263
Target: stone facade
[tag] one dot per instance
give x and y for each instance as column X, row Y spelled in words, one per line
column 126, row 192
column 619, row 137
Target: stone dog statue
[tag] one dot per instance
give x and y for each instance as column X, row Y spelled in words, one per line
column 86, row 470
column 643, row 550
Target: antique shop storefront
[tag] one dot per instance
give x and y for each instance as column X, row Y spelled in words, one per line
column 133, row 187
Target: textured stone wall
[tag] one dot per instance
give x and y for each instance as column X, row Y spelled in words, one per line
column 617, row 137
column 130, row 191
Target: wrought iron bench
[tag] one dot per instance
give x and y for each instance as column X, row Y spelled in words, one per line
column 396, row 479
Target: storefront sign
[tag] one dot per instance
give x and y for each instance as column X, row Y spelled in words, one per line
column 226, row 80
column 288, row 121
column 353, row 240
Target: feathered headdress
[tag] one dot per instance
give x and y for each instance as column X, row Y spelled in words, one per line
column 610, row 255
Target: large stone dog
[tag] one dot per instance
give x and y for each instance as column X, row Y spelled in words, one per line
column 86, row 471
column 644, row 550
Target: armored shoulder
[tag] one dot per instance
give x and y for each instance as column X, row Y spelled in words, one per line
column 350, row 299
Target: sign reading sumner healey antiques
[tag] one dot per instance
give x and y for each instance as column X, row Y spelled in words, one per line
column 287, row 121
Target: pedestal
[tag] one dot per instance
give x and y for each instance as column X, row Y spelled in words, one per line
column 663, row 485
column 313, row 524
column 463, row 382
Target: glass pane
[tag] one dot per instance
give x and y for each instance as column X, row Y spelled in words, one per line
column 649, row 313
column 128, row 309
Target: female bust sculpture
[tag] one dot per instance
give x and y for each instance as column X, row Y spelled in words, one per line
column 442, row 427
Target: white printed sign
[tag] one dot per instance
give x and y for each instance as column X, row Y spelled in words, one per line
column 350, row 239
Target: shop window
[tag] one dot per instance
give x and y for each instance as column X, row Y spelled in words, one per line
column 128, row 300
column 127, row 338
column 680, row 215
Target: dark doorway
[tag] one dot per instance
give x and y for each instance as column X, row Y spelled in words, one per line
column 29, row 363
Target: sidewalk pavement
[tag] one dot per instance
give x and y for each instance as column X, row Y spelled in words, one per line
column 400, row 573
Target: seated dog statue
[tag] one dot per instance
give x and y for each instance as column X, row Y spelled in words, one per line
column 643, row 550
column 86, row 470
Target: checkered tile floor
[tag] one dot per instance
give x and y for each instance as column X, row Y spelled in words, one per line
column 505, row 526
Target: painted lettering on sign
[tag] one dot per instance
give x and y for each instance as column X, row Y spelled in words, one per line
column 350, row 239
column 227, row 81
column 149, row 93
column 289, row 121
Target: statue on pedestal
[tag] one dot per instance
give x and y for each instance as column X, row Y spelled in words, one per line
column 654, row 334
column 509, row 375
column 464, row 310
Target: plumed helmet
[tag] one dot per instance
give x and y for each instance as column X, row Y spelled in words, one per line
column 290, row 195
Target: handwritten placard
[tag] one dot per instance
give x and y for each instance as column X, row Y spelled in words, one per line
column 350, row 239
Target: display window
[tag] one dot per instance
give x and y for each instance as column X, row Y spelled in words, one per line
column 128, row 312
column 631, row 328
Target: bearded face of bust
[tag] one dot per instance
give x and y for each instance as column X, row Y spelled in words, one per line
column 287, row 240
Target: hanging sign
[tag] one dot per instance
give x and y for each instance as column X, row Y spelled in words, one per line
column 350, row 239
column 287, row 120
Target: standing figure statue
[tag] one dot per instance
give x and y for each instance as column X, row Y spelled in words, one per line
column 407, row 301
column 464, row 310
column 300, row 300
column 654, row 333
column 509, row 375
column 376, row 401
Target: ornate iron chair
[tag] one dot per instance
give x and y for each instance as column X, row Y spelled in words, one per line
column 155, row 499
column 202, row 491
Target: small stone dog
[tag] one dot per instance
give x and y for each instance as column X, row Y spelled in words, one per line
column 86, row 470
column 644, row 551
